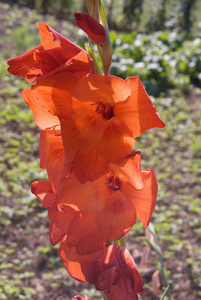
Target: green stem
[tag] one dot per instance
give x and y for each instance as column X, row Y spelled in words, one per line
column 157, row 249
column 106, row 50
column 165, row 292
column 109, row 243
column 165, row 279
column 121, row 242
column 97, row 67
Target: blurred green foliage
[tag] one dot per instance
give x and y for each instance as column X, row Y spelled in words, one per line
column 164, row 60
column 145, row 15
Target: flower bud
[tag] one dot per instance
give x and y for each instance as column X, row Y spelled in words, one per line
column 91, row 27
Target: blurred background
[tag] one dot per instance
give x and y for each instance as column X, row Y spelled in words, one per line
column 159, row 40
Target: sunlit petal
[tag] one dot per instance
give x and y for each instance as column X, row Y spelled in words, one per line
column 129, row 170
column 84, row 234
column 55, row 234
column 144, row 200
column 38, row 98
column 71, row 140
column 89, row 166
column 43, row 191
column 117, row 218
column 62, row 218
column 139, row 113
column 52, row 158
column 89, row 197
column 116, row 142
column 109, row 89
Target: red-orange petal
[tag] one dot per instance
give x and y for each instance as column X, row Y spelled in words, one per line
column 49, row 139
column 144, row 200
column 51, row 98
column 80, row 65
column 21, row 65
column 84, row 235
column 118, row 216
column 68, row 256
column 79, row 267
column 50, row 39
column 55, row 234
column 39, row 99
column 87, row 198
column 129, row 170
column 117, row 142
column 47, row 58
column 71, row 138
column 52, row 158
column 138, row 113
column 122, row 280
column 43, row 191
column 89, row 166
column 91, row 27
column 90, row 126
column 62, row 83
column 61, row 218
column 107, row 89
column 111, row 269
column 132, row 271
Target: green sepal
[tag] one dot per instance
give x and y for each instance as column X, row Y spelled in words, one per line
column 97, row 67
column 105, row 50
column 92, row 6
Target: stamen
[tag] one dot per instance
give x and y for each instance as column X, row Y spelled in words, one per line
column 105, row 109
column 56, row 131
column 114, row 183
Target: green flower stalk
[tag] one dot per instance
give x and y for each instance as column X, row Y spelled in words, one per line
column 105, row 50
column 93, row 8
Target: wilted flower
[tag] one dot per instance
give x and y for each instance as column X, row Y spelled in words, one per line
column 103, row 210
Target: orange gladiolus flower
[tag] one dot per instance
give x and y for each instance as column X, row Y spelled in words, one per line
column 101, row 115
column 91, row 27
column 105, row 209
column 113, row 113
column 111, row 270
column 40, row 97
column 125, row 100
column 54, row 54
column 106, row 112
